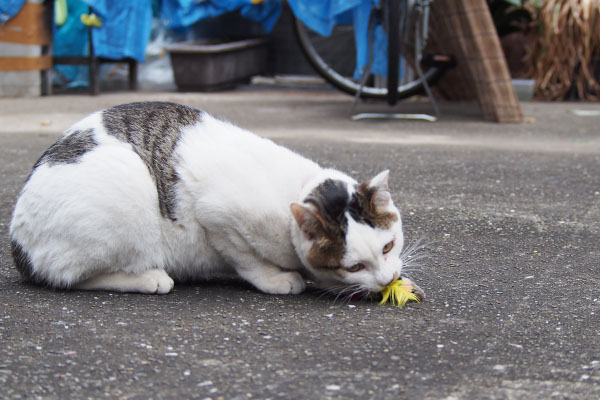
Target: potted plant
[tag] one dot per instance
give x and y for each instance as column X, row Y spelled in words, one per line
column 565, row 58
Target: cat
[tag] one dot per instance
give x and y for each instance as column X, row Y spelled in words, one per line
column 136, row 196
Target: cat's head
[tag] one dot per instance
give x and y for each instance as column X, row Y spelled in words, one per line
column 349, row 234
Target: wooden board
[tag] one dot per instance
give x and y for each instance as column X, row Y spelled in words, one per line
column 465, row 29
column 27, row 27
column 25, row 63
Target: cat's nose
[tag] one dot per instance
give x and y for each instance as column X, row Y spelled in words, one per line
column 393, row 279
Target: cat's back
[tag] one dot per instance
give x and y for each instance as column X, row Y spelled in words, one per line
column 130, row 145
column 160, row 147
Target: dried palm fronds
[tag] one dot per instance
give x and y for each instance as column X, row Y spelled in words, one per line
column 563, row 56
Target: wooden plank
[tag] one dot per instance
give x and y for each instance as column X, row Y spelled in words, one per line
column 465, row 29
column 25, row 63
column 29, row 26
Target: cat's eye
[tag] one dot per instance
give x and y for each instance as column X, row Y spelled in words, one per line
column 356, row 267
column 388, row 247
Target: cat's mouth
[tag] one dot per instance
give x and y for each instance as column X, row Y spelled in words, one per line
column 363, row 294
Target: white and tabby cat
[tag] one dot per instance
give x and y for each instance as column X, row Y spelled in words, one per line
column 137, row 195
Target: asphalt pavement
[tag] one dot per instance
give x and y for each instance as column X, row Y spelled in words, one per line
column 509, row 218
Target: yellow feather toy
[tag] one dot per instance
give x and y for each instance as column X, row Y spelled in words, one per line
column 398, row 292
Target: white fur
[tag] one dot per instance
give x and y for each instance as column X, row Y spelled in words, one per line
column 96, row 224
column 364, row 245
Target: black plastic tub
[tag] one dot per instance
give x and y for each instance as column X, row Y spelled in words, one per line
column 206, row 66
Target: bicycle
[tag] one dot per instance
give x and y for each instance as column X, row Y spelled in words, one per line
column 405, row 25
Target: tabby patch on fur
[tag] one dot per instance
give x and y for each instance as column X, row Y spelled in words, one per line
column 153, row 130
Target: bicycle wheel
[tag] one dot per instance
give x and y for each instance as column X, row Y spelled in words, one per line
column 334, row 58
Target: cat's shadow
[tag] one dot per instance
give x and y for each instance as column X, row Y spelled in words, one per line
column 240, row 289
column 215, row 289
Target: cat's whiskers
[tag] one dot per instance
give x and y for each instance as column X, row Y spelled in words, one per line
column 413, row 254
column 359, row 289
column 331, row 290
column 343, row 293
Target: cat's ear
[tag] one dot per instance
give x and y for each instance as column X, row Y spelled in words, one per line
column 381, row 196
column 380, row 181
column 309, row 221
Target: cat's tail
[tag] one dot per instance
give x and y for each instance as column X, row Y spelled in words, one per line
column 23, row 263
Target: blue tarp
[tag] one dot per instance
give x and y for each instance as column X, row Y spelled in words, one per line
column 319, row 15
column 10, row 8
column 124, row 33
column 184, row 13
column 126, row 24
column 322, row 15
column 71, row 39
column 125, row 29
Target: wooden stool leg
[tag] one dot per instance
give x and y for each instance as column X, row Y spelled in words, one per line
column 46, row 82
column 94, row 79
column 133, row 71
column 93, row 65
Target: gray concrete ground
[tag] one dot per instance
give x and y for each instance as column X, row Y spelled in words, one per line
column 510, row 215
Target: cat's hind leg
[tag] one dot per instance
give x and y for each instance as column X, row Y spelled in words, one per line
column 154, row 281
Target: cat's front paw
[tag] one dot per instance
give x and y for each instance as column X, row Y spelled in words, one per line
column 284, row 283
column 159, row 279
